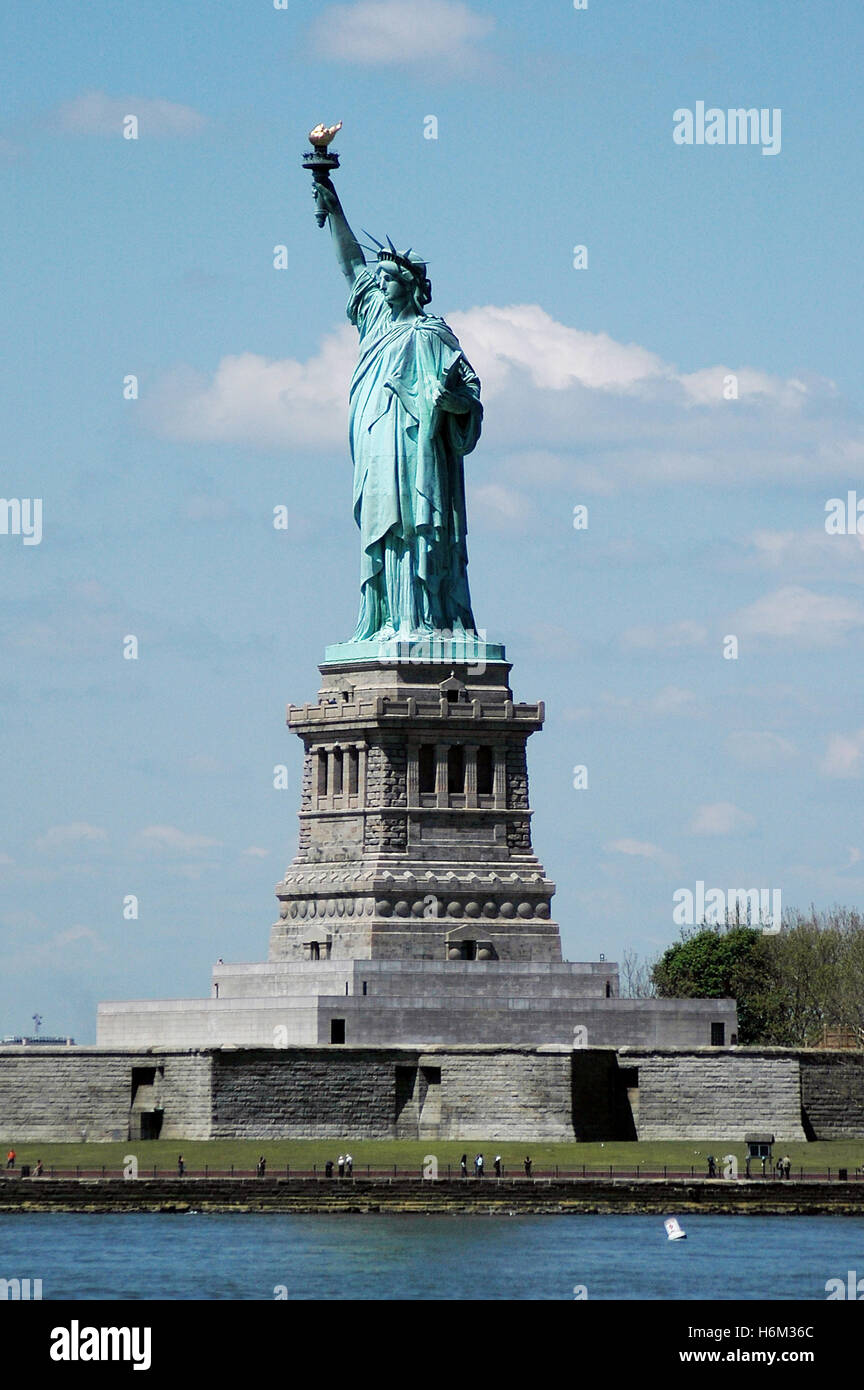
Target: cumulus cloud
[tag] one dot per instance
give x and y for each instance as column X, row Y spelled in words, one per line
column 168, row 839
column 76, row 936
column 811, row 554
column 504, row 507
column 524, row 339
column 637, row 419
column 674, row 700
column 273, row 403
column 77, row 833
column 641, row 849
column 401, row 33
column 801, row 616
column 844, row 756
column 96, row 113
column 720, row 818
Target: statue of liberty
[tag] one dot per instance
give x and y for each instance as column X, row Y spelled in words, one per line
column 415, row 413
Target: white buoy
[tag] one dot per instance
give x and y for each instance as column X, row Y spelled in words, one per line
column 673, row 1229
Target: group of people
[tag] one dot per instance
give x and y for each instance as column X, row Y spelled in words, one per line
column 783, row 1167
column 38, row 1167
column 344, row 1166
column 480, row 1167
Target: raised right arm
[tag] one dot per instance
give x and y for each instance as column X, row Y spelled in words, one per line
column 349, row 253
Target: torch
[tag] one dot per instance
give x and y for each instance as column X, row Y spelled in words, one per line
column 320, row 160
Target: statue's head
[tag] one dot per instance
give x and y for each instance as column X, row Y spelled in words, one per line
column 402, row 276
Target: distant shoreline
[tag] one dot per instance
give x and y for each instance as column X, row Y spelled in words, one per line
column 491, row 1196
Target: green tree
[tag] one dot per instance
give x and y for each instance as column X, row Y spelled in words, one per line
column 716, row 962
column 789, row 986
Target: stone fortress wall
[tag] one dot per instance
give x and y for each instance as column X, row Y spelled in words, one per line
column 439, row 1093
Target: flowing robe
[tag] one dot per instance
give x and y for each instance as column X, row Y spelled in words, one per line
column 409, row 482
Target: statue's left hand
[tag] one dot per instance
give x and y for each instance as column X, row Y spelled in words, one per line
column 448, row 400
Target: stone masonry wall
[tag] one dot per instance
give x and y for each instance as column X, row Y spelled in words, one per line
column 186, row 1094
column 717, row 1095
column 386, row 774
column 517, row 776
column 299, row 1092
column 519, row 1094
column 53, row 1095
column 832, row 1094
column 484, row 1092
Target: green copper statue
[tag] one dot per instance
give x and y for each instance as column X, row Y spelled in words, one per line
column 415, row 413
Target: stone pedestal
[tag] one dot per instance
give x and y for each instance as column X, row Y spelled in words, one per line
column 415, row 911
column 415, row 824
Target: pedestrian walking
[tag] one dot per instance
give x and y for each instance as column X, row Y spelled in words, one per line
column 497, row 1165
column 463, row 1165
column 38, row 1170
column 262, row 1166
column 527, row 1166
column 341, row 1165
column 349, row 1165
column 181, row 1166
column 328, row 1168
column 478, row 1166
column 10, row 1159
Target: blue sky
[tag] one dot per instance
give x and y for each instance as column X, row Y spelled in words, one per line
column 602, row 386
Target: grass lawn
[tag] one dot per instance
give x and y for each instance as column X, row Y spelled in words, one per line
column 303, row 1154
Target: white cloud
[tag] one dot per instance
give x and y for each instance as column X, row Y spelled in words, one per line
column 759, row 748
column 641, row 849
column 60, row 837
column 501, row 506
column 96, row 113
column 171, row 840
column 810, row 553
column 546, row 385
column 255, row 852
column 705, row 387
column 258, row 400
column 801, row 616
column 844, row 756
column 524, row 339
column 406, row 33
column 720, row 818
column 75, row 936
column 673, row 700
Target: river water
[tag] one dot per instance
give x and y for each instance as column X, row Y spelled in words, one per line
column 255, row 1256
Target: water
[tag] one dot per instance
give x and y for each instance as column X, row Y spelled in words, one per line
column 245, row 1256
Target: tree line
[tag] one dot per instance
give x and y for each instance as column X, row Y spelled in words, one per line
column 790, row 985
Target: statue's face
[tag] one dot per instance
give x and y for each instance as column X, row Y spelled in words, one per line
column 395, row 290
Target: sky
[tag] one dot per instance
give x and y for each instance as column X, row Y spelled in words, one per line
column 693, row 378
